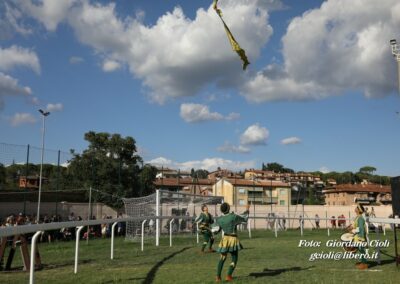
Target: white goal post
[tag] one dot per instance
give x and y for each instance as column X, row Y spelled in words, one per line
column 181, row 207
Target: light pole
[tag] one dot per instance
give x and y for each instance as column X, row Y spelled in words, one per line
column 396, row 54
column 44, row 114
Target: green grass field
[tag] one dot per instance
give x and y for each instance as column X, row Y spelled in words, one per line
column 265, row 259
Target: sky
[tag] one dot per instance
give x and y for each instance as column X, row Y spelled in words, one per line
column 320, row 94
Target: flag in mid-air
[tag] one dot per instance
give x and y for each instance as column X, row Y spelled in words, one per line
column 235, row 45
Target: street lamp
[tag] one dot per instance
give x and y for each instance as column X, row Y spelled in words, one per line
column 44, row 114
column 396, row 54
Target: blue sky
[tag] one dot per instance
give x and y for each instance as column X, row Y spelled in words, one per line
column 320, row 93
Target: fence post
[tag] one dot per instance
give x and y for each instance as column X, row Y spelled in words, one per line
column 26, row 176
column 33, row 256
column 89, row 214
column 301, row 224
column 58, row 180
column 144, row 221
column 249, row 227
column 78, row 232
column 326, row 219
column 157, row 219
column 170, row 232
column 276, row 229
column 197, row 231
column 112, row 239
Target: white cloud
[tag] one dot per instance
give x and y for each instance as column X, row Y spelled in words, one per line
column 111, row 65
column 10, row 22
column 329, row 50
column 49, row 12
column 34, row 100
column 54, row 107
column 324, row 170
column 18, row 56
column 76, row 60
column 209, row 164
column 291, row 140
column 9, row 86
column 161, row 161
column 229, row 148
column 198, row 113
column 233, row 116
column 176, row 56
column 254, row 135
column 22, row 118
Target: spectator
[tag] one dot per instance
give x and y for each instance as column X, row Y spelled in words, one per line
column 120, row 226
column 333, row 222
column 372, row 214
column 341, row 221
column 301, row 222
column 104, row 228
column 284, row 221
column 317, row 219
column 71, row 217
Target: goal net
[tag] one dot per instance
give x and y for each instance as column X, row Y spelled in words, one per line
column 182, row 208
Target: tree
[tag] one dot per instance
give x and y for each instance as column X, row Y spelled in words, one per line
column 277, row 168
column 146, row 180
column 110, row 165
column 2, row 176
column 201, row 174
column 367, row 170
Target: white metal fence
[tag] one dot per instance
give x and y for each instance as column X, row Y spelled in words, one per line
column 39, row 228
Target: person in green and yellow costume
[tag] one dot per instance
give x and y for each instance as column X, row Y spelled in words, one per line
column 230, row 242
column 205, row 220
column 359, row 229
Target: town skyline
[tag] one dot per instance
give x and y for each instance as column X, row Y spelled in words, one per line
column 165, row 74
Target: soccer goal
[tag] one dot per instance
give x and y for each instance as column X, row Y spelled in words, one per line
column 184, row 207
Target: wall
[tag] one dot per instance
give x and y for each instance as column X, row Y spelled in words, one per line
column 63, row 209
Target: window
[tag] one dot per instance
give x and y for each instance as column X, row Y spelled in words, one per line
column 242, row 190
column 241, row 202
column 282, row 191
column 281, row 202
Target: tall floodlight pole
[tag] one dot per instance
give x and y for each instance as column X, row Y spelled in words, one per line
column 396, row 54
column 44, row 114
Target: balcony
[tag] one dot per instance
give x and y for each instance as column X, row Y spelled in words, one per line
column 263, row 200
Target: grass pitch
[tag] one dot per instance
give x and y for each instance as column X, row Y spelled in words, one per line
column 265, row 259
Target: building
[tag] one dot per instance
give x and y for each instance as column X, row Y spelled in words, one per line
column 31, row 182
column 350, row 194
column 306, row 179
column 259, row 174
column 261, row 192
column 171, row 173
column 187, row 185
column 221, row 173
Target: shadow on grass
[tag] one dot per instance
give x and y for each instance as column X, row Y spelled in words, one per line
column 152, row 273
column 383, row 262
column 274, row 272
column 65, row 264
column 17, row 269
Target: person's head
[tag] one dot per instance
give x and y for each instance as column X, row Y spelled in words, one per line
column 225, row 208
column 204, row 208
column 359, row 209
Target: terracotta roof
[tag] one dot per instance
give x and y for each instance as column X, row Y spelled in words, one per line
column 263, row 183
column 182, row 182
column 359, row 188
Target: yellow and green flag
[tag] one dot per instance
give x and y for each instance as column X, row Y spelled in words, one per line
column 235, row 45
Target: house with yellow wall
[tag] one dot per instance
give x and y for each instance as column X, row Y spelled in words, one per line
column 240, row 192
